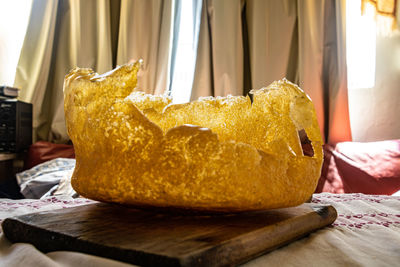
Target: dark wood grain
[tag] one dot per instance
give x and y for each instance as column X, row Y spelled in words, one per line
column 160, row 239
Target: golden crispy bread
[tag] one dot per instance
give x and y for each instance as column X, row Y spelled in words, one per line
column 215, row 154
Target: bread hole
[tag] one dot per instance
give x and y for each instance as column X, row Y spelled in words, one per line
column 306, row 143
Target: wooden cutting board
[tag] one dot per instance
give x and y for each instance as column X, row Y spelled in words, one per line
column 160, row 239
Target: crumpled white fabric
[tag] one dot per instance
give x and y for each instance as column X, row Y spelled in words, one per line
column 25, row 255
column 50, row 178
column 366, row 233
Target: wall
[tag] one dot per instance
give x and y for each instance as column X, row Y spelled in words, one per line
column 375, row 112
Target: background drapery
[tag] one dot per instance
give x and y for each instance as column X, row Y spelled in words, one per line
column 60, row 36
column 219, row 66
column 64, row 34
column 144, row 33
column 241, row 45
column 249, row 44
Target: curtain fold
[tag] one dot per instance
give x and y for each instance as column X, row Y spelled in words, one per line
column 203, row 84
column 322, row 64
column 337, row 125
column 272, row 35
column 145, row 33
column 34, row 63
column 302, row 40
column 65, row 34
column 71, row 33
column 241, row 45
column 219, row 66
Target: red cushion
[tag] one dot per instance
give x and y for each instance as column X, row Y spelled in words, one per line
column 42, row 151
column 369, row 168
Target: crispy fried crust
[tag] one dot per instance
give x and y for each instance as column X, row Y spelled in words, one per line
column 138, row 149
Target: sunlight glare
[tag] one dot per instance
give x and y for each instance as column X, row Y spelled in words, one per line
column 185, row 59
column 14, row 16
column 361, row 46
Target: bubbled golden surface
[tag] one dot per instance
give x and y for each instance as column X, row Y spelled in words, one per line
column 215, row 154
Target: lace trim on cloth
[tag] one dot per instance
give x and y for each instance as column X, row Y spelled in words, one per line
column 355, row 211
column 10, row 208
column 359, row 211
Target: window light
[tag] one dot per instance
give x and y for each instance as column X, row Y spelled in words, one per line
column 186, row 50
column 14, row 16
column 361, row 46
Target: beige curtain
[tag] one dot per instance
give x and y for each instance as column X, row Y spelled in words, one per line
column 322, row 64
column 145, row 33
column 219, row 65
column 64, row 34
column 302, row 40
column 242, row 45
column 60, row 36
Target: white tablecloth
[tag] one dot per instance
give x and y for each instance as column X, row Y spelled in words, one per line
column 366, row 233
